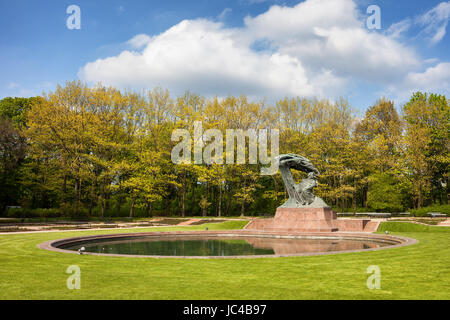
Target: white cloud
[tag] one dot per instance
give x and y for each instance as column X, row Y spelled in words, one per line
column 328, row 34
column 13, row 85
column 225, row 12
column 397, row 29
column 433, row 79
column 139, row 41
column 203, row 56
column 436, row 21
column 315, row 48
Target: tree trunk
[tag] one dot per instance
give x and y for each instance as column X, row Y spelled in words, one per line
column 183, row 196
column 183, row 202
column 133, row 201
column 64, row 187
column 148, row 209
column 119, row 204
column 420, row 197
column 193, row 209
column 220, row 201
column 107, row 197
column 91, row 205
column 79, row 191
column 228, row 203
column 167, row 211
column 103, row 208
column 76, row 196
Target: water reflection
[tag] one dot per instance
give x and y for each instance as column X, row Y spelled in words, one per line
column 219, row 246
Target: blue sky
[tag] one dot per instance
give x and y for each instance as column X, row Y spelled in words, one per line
column 260, row 48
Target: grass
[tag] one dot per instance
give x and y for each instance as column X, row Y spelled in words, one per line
column 420, row 271
column 410, row 227
column 429, row 221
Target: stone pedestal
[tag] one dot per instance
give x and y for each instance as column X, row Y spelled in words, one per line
column 303, row 220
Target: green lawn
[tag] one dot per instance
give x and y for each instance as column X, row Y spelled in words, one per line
column 420, row 271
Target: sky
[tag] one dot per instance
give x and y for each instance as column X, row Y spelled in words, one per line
column 264, row 49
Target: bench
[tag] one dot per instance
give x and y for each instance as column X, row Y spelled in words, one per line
column 437, row 214
column 375, row 214
column 342, row 214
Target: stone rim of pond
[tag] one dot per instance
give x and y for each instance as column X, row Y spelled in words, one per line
column 394, row 241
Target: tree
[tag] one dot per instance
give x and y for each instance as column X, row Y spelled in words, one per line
column 427, row 120
column 247, row 187
column 88, row 148
column 16, row 109
column 204, row 204
column 381, row 130
column 386, row 192
column 378, row 135
column 12, row 153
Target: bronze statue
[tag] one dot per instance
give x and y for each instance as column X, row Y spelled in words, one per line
column 300, row 195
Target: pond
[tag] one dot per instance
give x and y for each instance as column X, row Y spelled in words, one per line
column 230, row 245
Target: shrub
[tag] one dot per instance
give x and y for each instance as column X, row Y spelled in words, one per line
column 21, row 213
column 423, row 212
column 34, row 213
column 47, row 213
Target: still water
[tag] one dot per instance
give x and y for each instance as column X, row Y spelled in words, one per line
column 218, row 246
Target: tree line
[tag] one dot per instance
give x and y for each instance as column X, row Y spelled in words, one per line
column 98, row 151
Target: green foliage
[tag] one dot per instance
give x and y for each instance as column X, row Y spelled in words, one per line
column 427, row 122
column 386, row 193
column 33, row 213
column 422, row 212
column 12, row 153
column 15, row 109
column 101, row 152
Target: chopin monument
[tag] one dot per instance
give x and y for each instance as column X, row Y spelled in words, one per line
column 300, row 195
column 303, row 211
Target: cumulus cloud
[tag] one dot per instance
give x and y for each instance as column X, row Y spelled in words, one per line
column 328, row 34
column 432, row 79
column 139, row 41
column 315, row 48
column 202, row 56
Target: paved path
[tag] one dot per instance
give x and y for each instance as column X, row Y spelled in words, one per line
column 92, row 229
column 188, row 222
column 42, row 228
